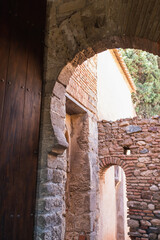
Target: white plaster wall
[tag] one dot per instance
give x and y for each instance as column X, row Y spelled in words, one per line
column 121, row 206
column 114, row 97
column 108, row 226
column 114, row 102
column 113, row 207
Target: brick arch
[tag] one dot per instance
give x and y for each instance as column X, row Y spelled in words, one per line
column 113, row 199
column 112, row 161
column 102, row 45
column 121, row 161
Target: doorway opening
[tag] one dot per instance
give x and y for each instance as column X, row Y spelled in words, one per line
column 82, row 178
column 113, row 205
column 78, row 171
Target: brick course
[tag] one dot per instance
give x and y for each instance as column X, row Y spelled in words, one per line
column 83, row 84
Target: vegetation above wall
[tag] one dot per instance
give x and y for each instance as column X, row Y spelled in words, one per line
column 145, row 71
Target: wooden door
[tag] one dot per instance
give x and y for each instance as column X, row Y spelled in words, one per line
column 20, row 102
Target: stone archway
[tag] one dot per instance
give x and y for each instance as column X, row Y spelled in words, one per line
column 75, row 31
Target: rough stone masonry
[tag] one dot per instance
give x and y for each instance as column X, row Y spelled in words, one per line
column 75, row 31
column 142, row 169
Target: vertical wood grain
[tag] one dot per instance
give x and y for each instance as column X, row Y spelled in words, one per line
column 20, row 101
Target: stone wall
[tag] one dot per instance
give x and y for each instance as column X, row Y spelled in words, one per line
column 52, row 178
column 50, row 208
column 76, row 31
column 81, row 195
column 142, row 169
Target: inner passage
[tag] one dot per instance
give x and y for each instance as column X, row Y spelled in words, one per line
column 113, row 205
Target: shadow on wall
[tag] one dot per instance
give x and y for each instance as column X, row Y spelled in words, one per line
column 78, row 186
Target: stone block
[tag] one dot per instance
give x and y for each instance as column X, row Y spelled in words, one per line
column 137, row 205
column 46, row 174
column 137, row 172
column 68, row 7
column 52, row 204
column 144, row 151
column 155, row 222
column 82, row 222
column 56, row 162
column 71, row 235
column 124, row 123
column 154, row 188
column 51, row 189
column 146, row 195
column 48, row 220
column 152, row 166
column 58, row 107
column 157, row 213
column 135, row 234
column 57, row 121
column 58, row 176
column 57, row 232
column 141, row 165
column 144, row 159
column 145, row 223
column 127, row 142
column 147, row 173
column 47, row 235
column 152, row 236
column 154, row 230
column 59, row 91
column 156, row 196
column 133, row 129
column 61, row 143
column 152, row 129
column 151, row 206
column 141, row 143
column 133, row 223
column 66, row 74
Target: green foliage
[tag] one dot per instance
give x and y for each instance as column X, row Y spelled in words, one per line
column 145, row 71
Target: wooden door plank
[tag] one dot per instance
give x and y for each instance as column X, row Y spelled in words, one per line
column 11, row 132
column 4, row 56
column 20, row 99
column 29, row 153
